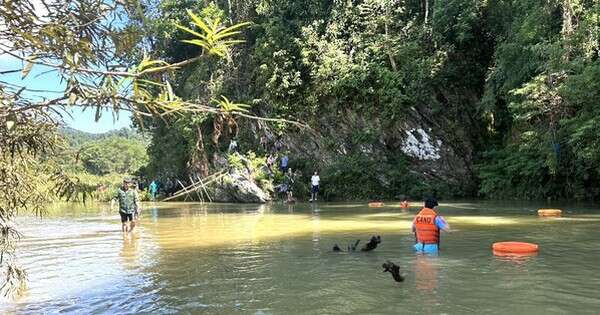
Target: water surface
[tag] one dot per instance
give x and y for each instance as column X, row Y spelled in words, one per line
column 277, row 259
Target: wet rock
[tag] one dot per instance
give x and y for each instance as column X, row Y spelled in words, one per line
column 238, row 186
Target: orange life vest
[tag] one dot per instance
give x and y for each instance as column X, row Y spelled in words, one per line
column 425, row 228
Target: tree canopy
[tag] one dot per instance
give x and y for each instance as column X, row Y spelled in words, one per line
column 104, row 65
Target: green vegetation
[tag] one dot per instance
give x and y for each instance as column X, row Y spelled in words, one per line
column 508, row 87
column 102, row 65
column 113, row 155
column 97, row 163
column 498, row 98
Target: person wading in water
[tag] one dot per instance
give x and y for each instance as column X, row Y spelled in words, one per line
column 426, row 226
column 129, row 205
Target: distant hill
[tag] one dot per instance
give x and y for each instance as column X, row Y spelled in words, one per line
column 77, row 138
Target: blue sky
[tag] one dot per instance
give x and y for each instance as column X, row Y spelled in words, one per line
column 38, row 80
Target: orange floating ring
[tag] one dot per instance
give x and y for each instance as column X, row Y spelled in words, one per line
column 514, row 248
column 549, row 212
column 375, row 204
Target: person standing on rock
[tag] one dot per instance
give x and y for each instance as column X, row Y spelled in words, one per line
column 129, row 205
column 264, row 144
column 284, row 163
column 233, row 146
column 278, row 145
column 314, row 191
column 288, row 181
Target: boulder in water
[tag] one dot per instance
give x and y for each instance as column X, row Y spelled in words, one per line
column 235, row 187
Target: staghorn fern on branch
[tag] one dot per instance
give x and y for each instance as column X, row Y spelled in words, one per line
column 215, row 39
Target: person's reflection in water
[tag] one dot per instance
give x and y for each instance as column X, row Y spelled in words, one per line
column 291, row 207
column 129, row 251
column 262, row 209
column 154, row 214
column 315, row 207
column 316, row 222
column 426, row 272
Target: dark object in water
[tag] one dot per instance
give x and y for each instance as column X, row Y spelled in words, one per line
column 372, row 244
column 351, row 248
column 394, row 269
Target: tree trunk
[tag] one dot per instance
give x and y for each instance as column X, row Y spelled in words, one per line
column 426, row 11
column 199, row 159
column 388, row 41
column 389, row 50
column 567, row 27
column 230, row 12
column 567, row 18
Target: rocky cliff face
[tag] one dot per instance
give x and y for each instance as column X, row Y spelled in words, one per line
column 434, row 153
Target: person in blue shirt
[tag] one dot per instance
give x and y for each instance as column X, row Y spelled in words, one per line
column 427, row 226
column 153, row 189
column 284, row 163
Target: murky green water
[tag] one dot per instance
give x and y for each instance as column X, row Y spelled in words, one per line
column 277, row 259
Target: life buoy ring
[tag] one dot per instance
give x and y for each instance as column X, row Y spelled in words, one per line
column 549, row 212
column 514, row 248
column 375, row 204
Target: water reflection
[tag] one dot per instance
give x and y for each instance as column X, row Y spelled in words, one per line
column 426, row 273
column 192, row 258
column 129, row 250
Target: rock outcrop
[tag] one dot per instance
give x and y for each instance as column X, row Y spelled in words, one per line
column 239, row 186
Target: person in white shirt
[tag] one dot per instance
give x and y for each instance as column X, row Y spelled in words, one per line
column 314, row 180
column 233, row 146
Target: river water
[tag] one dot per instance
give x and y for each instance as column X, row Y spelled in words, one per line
column 276, row 259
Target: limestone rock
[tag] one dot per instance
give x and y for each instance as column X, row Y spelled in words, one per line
column 238, row 187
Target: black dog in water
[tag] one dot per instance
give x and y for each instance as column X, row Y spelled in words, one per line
column 394, row 269
column 372, row 244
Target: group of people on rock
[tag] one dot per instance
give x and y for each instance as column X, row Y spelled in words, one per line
column 278, row 158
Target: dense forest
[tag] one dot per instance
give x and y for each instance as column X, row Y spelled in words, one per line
column 456, row 98
column 98, row 162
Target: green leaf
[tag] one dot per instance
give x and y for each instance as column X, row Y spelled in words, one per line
column 234, row 27
column 197, row 43
column 198, row 21
column 191, row 31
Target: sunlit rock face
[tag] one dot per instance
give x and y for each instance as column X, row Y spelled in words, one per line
column 438, row 149
column 236, row 187
column 419, row 145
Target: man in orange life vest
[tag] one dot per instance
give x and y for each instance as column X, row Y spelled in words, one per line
column 426, row 226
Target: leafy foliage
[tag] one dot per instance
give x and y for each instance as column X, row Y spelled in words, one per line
column 113, row 155
column 105, row 66
column 503, row 84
